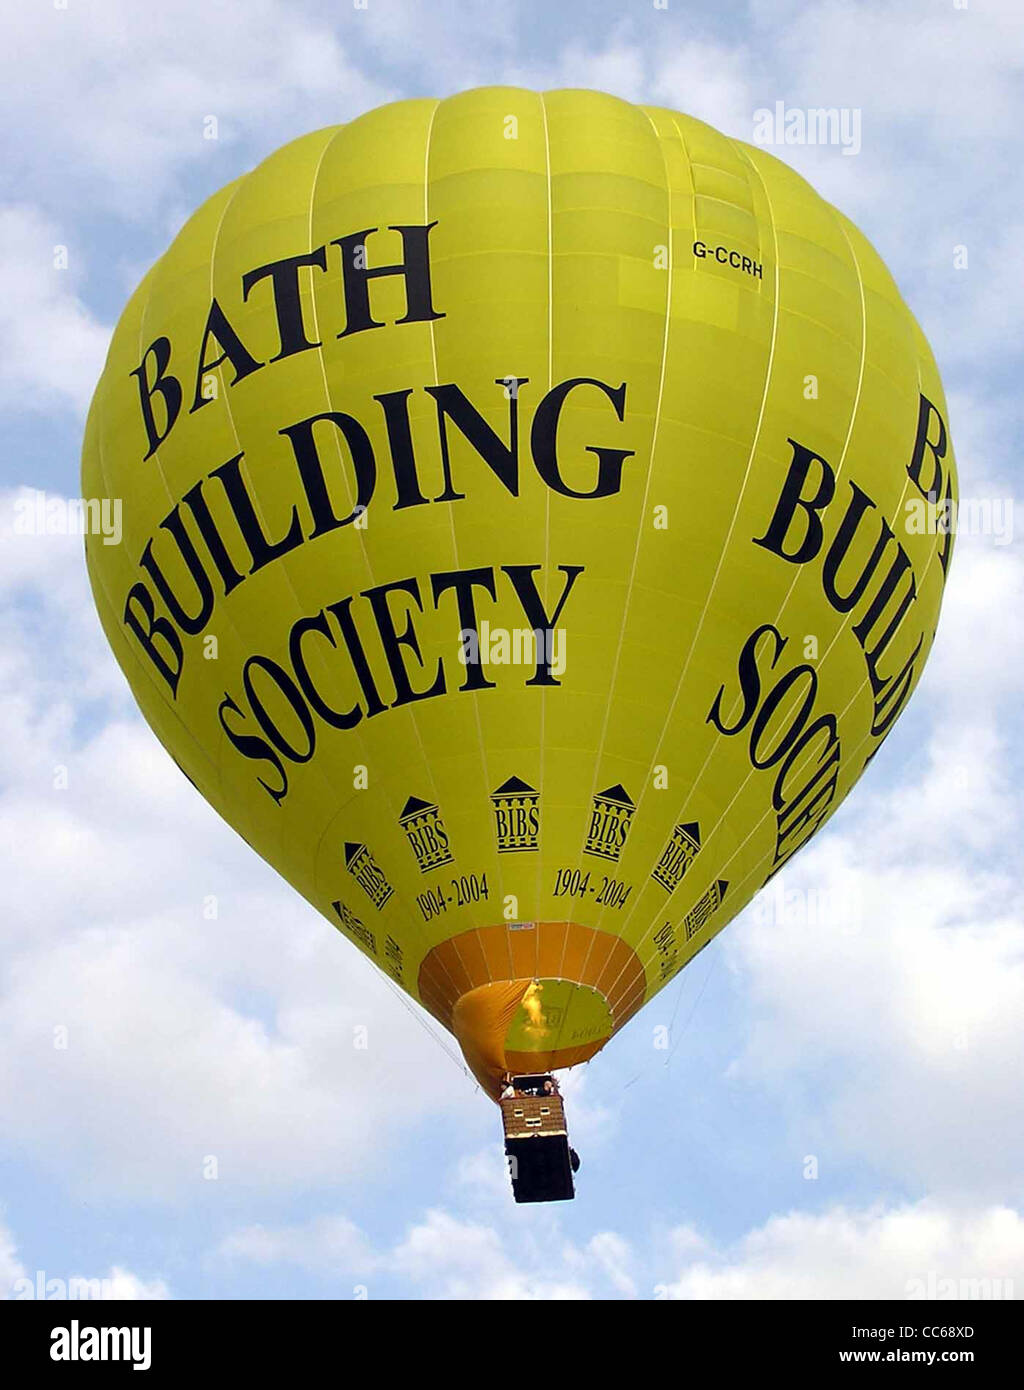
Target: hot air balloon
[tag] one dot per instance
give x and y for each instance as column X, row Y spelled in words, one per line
column 533, row 525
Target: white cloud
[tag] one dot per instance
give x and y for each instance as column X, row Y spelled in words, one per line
column 444, row 1257
column 482, row 1178
column 126, row 1287
column 709, row 80
column 18, row 1282
column 132, row 1058
column 977, row 666
column 459, row 43
column 440, row 1256
column 613, row 1255
column 141, row 1037
column 329, row 1243
column 903, row 1252
column 11, row 1268
column 898, row 1002
column 978, row 425
column 887, row 60
column 119, row 95
column 51, row 347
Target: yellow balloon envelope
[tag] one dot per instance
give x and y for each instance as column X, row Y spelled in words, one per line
column 533, row 514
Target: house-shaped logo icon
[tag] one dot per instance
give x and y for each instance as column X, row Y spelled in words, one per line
column 367, row 873
column 677, row 856
column 610, row 818
column 424, row 829
column 516, row 816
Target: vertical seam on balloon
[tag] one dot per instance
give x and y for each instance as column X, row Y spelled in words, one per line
column 426, row 219
column 750, row 461
column 419, row 928
column 98, row 578
column 717, row 739
column 736, row 509
column 362, row 743
column 849, row 618
column 283, row 569
column 933, row 556
column 844, row 624
column 681, row 138
column 168, row 706
column 756, row 870
column 327, row 393
column 854, row 410
column 625, row 923
column 449, row 505
column 433, row 358
column 539, row 871
column 229, row 622
column 739, row 498
column 547, row 494
column 722, row 817
column 649, row 476
column 451, row 513
column 839, row 467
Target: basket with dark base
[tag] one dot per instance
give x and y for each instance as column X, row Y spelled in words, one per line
column 537, row 1141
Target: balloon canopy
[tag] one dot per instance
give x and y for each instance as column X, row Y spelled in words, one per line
column 533, row 515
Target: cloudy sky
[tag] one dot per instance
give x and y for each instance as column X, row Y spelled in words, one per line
column 183, row 1109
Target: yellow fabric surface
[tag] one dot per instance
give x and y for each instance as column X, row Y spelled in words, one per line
column 502, row 362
